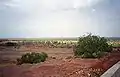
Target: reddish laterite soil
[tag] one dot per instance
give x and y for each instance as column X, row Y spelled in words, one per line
column 61, row 67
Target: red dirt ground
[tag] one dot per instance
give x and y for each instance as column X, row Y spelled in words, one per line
column 61, row 67
column 51, row 68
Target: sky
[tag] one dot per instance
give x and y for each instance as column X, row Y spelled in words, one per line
column 59, row 18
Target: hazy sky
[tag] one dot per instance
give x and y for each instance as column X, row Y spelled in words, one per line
column 56, row 18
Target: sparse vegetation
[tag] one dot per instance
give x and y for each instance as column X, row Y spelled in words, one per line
column 11, row 44
column 91, row 46
column 32, row 58
column 70, row 43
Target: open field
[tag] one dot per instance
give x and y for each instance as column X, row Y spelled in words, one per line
column 61, row 60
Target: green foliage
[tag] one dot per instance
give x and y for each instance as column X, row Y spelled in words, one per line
column 91, row 46
column 11, row 44
column 32, row 58
column 44, row 54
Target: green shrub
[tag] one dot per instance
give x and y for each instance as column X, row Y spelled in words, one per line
column 32, row 58
column 11, row 44
column 44, row 54
column 91, row 46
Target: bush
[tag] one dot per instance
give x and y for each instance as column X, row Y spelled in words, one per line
column 44, row 54
column 91, row 46
column 3, row 40
column 32, row 58
column 11, row 44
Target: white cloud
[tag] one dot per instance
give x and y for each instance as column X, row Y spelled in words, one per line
column 51, row 4
column 53, row 17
